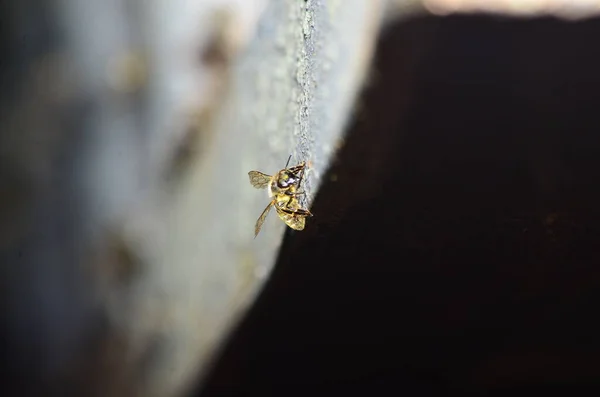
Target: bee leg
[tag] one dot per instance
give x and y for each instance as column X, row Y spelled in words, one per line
column 301, row 177
column 296, row 212
column 290, row 199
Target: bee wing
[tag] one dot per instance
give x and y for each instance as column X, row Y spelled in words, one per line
column 259, row 180
column 261, row 219
column 293, row 219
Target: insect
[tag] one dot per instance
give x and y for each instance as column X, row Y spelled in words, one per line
column 283, row 191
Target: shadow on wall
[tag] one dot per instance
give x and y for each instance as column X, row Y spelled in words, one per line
column 454, row 247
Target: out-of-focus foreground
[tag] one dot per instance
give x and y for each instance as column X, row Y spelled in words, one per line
column 127, row 131
column 127, row 219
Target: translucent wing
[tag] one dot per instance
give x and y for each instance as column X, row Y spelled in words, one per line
column 259, row 180
column 261, row 219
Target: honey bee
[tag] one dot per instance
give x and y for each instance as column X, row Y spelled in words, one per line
column 283, row 191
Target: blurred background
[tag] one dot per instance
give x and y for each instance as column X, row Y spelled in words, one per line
column 453, row 154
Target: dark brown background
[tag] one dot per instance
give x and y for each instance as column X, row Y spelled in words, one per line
column 454, row 250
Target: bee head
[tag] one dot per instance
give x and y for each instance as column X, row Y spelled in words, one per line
column 286, row 179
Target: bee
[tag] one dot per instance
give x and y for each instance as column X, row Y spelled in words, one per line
column 283, row 191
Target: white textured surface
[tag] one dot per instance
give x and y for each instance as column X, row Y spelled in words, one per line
column 151, row 267
column 289, row 91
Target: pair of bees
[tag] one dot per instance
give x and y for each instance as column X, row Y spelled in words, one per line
column 283, row 189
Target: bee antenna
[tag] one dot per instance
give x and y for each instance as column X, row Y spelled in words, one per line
column 288, row 161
